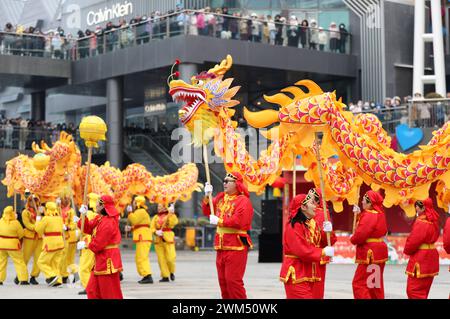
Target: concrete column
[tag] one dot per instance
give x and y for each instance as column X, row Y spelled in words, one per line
column 188, row 209
column 38, row 106
column 114, row 121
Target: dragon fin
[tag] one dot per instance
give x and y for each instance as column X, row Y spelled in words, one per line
column 261, row 119
column 313, row 87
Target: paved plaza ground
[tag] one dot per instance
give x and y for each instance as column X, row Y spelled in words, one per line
column 196, row 278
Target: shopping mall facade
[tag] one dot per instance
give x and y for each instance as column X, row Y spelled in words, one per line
column 127, row 85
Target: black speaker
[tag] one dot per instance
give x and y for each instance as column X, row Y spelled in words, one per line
column 39, row 24
column 270, row 248
column 271, row 216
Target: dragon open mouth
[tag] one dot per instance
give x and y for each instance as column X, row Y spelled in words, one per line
column 193, row 99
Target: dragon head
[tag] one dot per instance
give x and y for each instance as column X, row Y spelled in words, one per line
column 206, row 98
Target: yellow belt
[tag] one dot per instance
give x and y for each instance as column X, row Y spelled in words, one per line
column 374, row 240
column 427, row 246
column 226, row 230
column 291, row 256
column 112, row 246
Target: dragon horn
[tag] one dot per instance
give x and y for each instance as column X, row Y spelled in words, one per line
column 36, row 148
column 44, row 146
column 224, row 66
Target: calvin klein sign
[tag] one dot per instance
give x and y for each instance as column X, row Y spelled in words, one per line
column 117, row 10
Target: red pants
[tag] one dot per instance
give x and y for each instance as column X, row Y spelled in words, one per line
column 231, row 266
column 418, row 288
column 368, row 282
column 319, row 286
column 302, row 290
column 104, row 287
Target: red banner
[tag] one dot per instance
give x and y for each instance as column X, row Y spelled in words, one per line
column 345, row 250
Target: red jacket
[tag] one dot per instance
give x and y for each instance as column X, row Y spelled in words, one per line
column 368, row 238
column 446, row 238
column 320, row 218
column 424, row 257
column 104, row 244
column 302, row 253
column 236, row 214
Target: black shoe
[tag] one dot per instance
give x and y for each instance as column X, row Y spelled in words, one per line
column 65, row 280
column 76, row 277
column 1, row 284
column 165, row 279
column 51, row 281
column 24, row 283
column 172, row 277
column 146, row 280
column 83, row 292
column 33, row 281
column 56, row 284
column 16, row 281
column 120, row 276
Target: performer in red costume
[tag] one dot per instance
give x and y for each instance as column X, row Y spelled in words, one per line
column 233, row 213
column 104, row 282
column 371, row 250
column 303, row 254
column 446, row 237
column 423, row 262
column 316, row 195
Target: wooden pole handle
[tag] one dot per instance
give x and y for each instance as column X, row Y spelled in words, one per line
column 208, row 177
column 294, row 177
column 322, row 186
column 86, row 183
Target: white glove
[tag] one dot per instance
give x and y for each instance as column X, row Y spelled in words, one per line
column 65, row 227
column 127, row 228
column 41, row 209
column 208, row 189
column 15, row 215
column 77, row 233
column 83, row 210
column 58, row 201
column 159, row 233
column 129, row 209
column 213, row 219
column 76, row 219
column 171, row 209
column 329, row 251
column 38, row 218
column 81, row 245
column 327, row 227
column 356, row 209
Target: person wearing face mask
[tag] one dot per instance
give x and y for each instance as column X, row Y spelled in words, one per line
column 327, row 227
column 302, row 251
column 104, row 282
column 11, row 232
column 423, row 264
column 162, row 225
column 142, row 236
column 371, row 250
column 232, row 212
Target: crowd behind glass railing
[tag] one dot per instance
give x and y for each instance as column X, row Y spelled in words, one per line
column 19, row 134
column 219, row 23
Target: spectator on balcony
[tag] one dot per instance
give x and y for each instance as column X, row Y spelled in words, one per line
column 272, row 29
column 334, row 37
column 387, row 108
column 233, row 26
column 226, row 19
column 210, row 20
column 9, row 39
column 265, row 31
column 111, row 36
column 23, row 123
column 28, row 41
column 57, row 46
column 40, row 43
column 83, row 44
column 243, row 27
column 201, row 23
column 314, row 35
column 357, row 108
column 255, row 28
column 323, row 39
column 91, row 40
column 9, row 129
column 305, row 34
column 182, row 19
column 293, row 32
column 279, row 27
column 219, row 24
column 100, row 39
column 342, row 38
column 193, row 30
column 126, row 34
